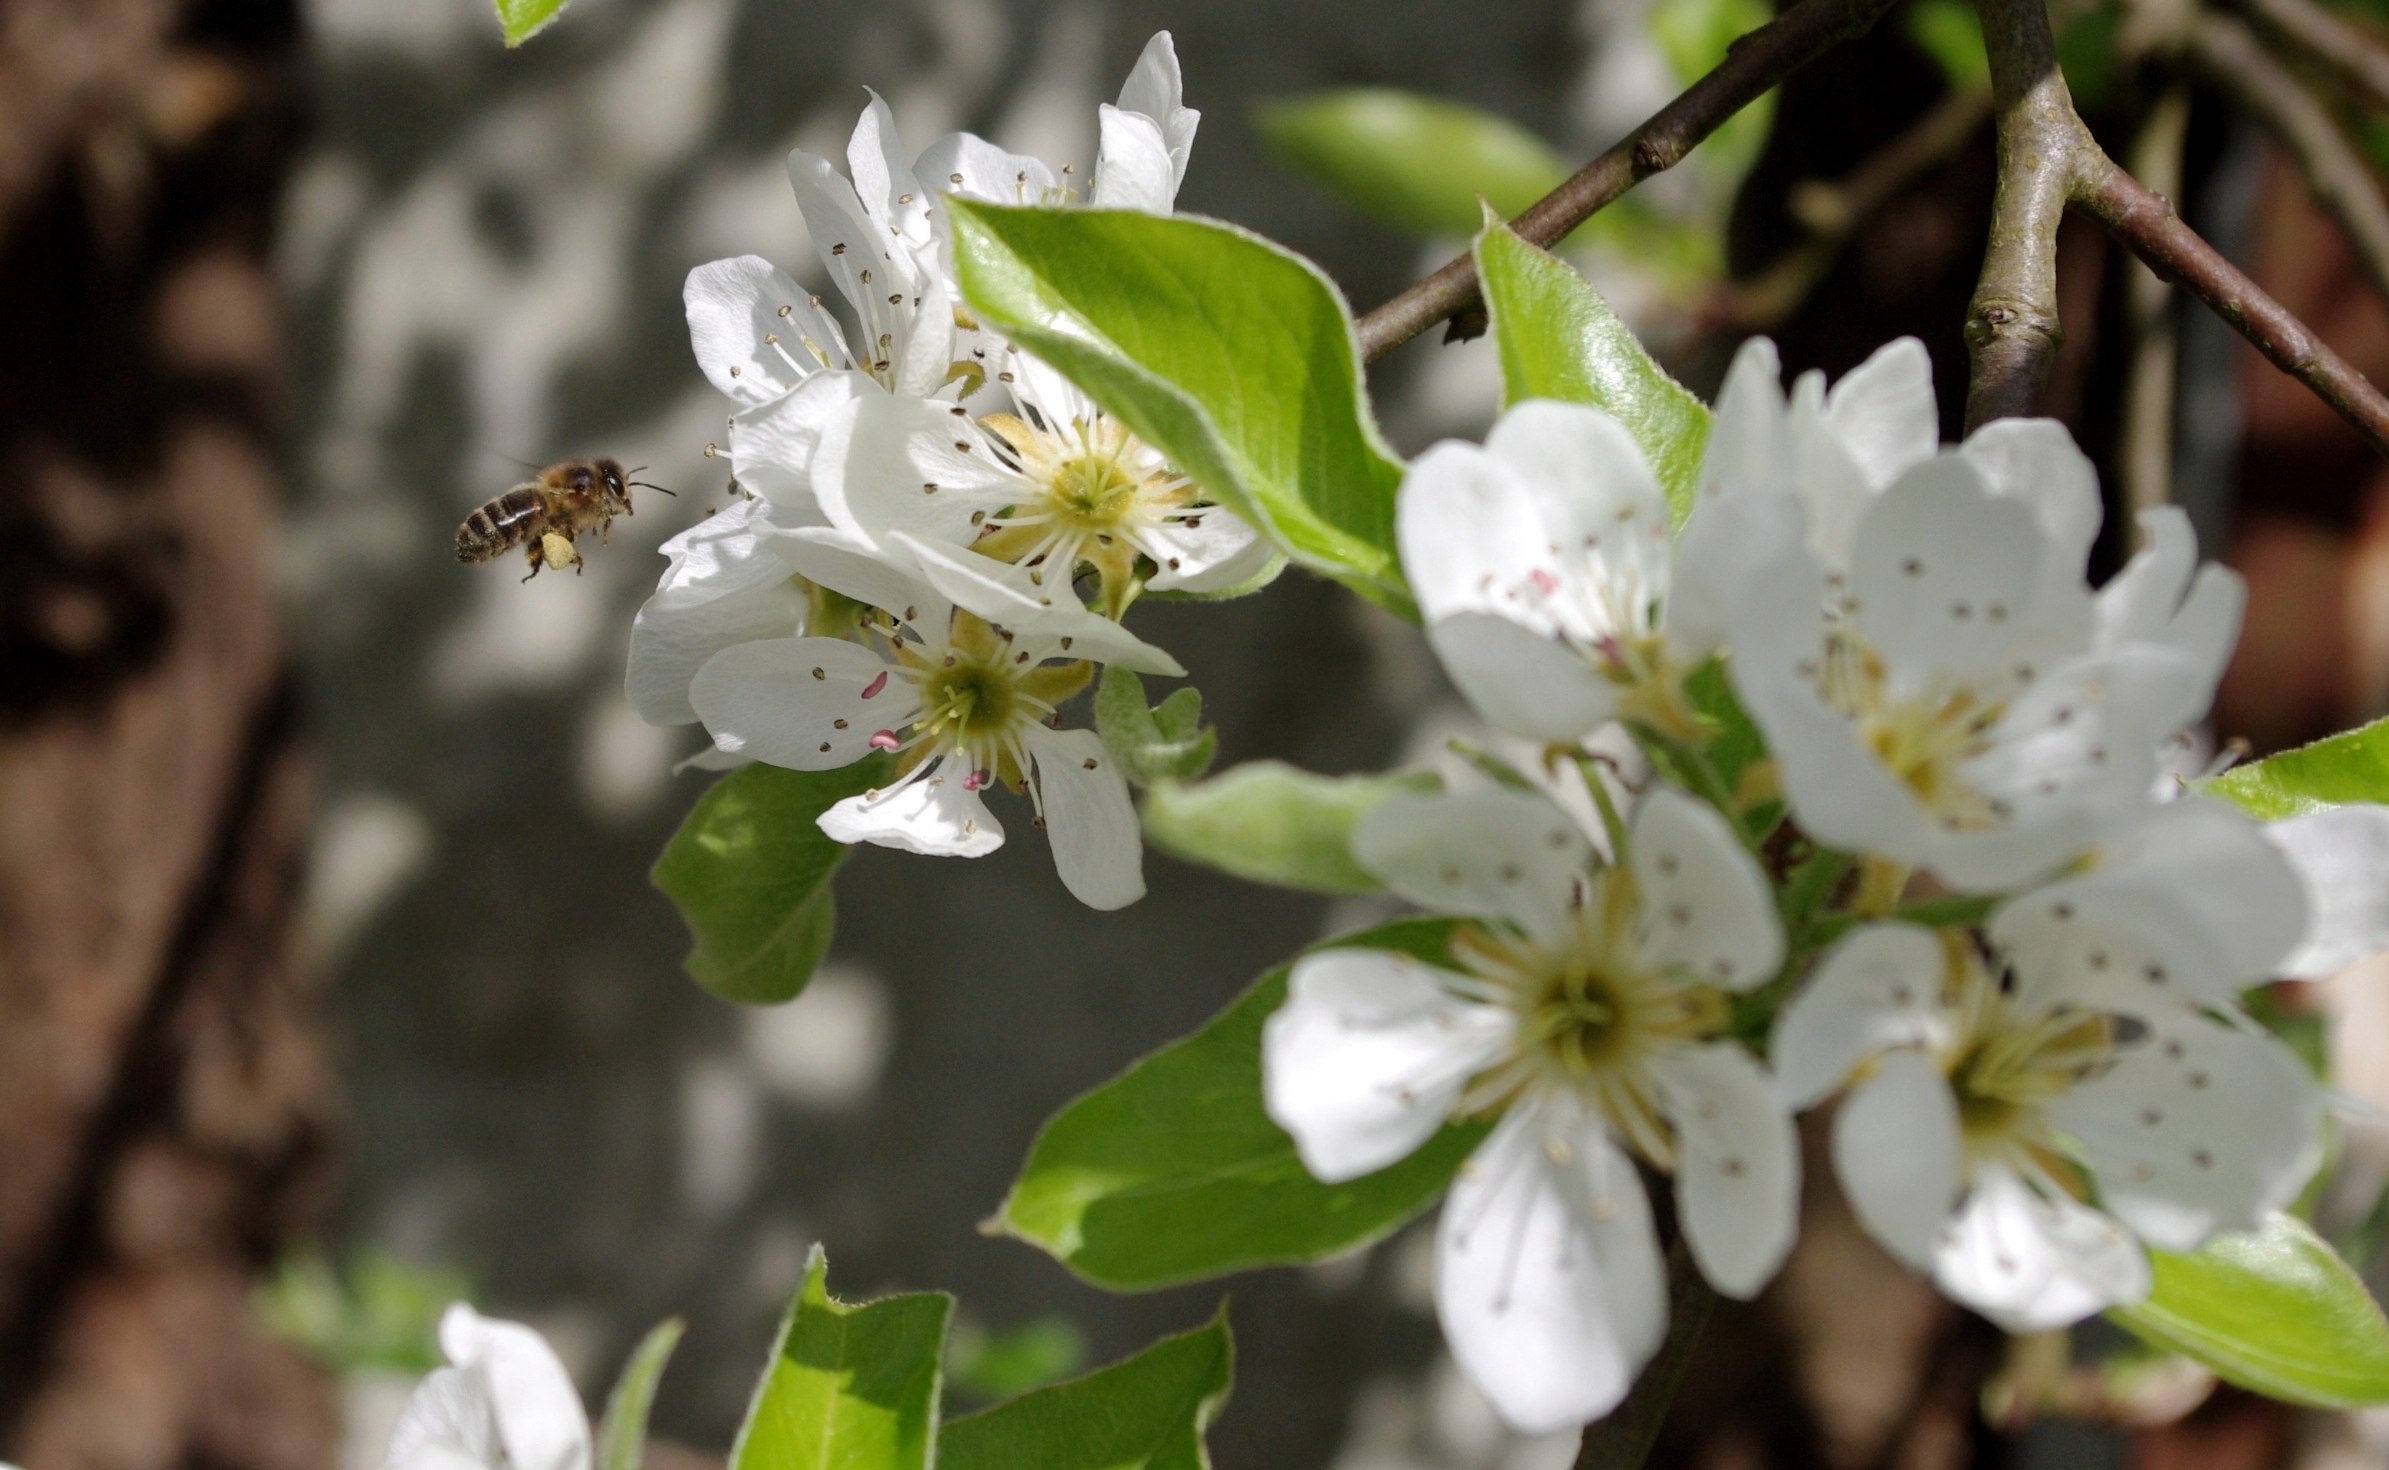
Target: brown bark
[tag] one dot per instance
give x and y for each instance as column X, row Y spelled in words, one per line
column 165, row 1102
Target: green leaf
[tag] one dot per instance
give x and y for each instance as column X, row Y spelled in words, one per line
column 2350, row 766
column 1559, row 339
column 1233, row 356
column 996, row 1365
column 1952, row 34
column 1168, row 742
column 1274, row 823
column 1143, row 1413
column 523, row 19
column 2276, row 1311
column 1172, row 1171
column 1414, row 162
column 622, row 1434
column 750, row 872
column 854, row 1387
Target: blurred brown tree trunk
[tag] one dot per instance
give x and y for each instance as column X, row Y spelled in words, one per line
column 165, row 1098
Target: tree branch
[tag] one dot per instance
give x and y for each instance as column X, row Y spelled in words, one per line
column 1622, row 1441
column 2355, row 56
column 2226, row 54
column 2144, row 459
column 1755, row 64
column 2012, row 330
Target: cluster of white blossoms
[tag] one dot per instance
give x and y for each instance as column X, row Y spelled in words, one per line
column 2025, row 1102
column 906, row 578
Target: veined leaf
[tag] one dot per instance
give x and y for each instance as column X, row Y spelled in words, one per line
column 523, row 19
column 2276, row 1311
column 750, row 871
column 1414, row 162
column 854, row 1387
column 2350, row 766
column 622, row 1434
column 1559, row 339
column 1143, row 1413
column 1233, row 356
column 1172, row 1171
column 1274, row 823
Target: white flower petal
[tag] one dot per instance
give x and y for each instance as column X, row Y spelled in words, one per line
column 1706, row 907
column 1729, row 538
column 1600, row 509
column 1549, row 1281
column 1496, row 852
column 539, row 1415
column 1003, row 595
column 1884, row 413
column 1750, row 445
column 1876, row 990
column 917, row 465
column 883, row 180
column 1133, row 168
column 1097, row 846
column 1738, row 1174
column 969, row 165
column 925, row 359
column 2341, row 855
column 2036, row 462
column 1896, row 1149
column 1212, row 550
column 1155, row 89
column 449, row 1423
column 809, row 704
column 1369, row 1055
column 1834, row 489
column 2197, row 1127
column 852, row 567
column 931, row 812
column 785, row 434
column 1522, row 681
column 1472, row 539
column 756, row 333
column 2163, row 597
column 1943, row 573
column 670, row 641
column 2032, row 1262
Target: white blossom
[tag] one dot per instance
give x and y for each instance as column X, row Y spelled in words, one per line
column 1936, row 680
column 970, row 665
column 728, row 583
column 1543, row 564
column 504, row 1403
column 1585, row 1005
column 2342, row 857
column 2027, row 1109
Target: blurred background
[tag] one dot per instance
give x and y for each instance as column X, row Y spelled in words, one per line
column 331, row 984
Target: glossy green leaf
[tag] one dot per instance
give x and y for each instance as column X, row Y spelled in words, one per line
column 2276, row 1311
column 622, row 1434
column 1414, row 162
column 1273, row 823
column 750, row 871
column 2350, row 766
column 523, row 19
column 1233, row 356
column 1558, row 339
column 850, row 1387
column 1168, row 742
column 1143, row 1413
column 1172, row 1171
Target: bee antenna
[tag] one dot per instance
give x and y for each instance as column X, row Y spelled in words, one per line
column 645, row 485
column 638, row 469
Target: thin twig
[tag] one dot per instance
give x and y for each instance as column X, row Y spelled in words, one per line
column 2012, row 330
column 1833, row 212
column 1623, row 1440
column 2226, row 54
column 1754, row 64
column 2357, row 57
column 2144, row 460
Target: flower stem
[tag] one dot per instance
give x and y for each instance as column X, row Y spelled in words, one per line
column 1623, row 1440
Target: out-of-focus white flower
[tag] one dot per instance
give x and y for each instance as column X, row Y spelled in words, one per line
column 975, row 661
column 2342, row 856
column 1936, row 680
column 504, row 1403
column 1543, row 565
column 2089, row 1053
column 1586, row 1006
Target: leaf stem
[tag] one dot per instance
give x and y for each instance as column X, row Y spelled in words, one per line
column 1623, row 1440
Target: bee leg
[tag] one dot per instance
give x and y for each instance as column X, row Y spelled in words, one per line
column 532, row 553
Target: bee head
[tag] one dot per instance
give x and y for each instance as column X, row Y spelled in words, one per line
column 616, row 485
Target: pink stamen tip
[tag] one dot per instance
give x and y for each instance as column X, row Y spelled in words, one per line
column 885, row 739
column 1545, row 583
column 876, row 684
column 974, row 780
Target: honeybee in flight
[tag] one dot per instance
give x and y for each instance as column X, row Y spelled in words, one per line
column 546, row 514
